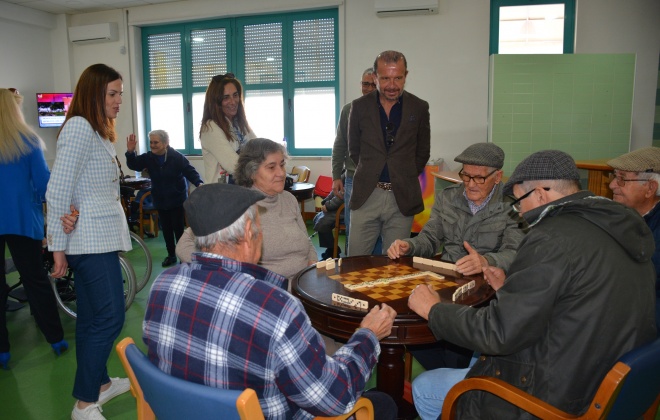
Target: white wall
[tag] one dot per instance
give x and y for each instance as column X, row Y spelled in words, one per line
column 447, row 56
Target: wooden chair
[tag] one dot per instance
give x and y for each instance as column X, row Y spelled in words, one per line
column 147, row 216
column 338, row 227
column 303, row 173
column 630, row 390
column 168, row 398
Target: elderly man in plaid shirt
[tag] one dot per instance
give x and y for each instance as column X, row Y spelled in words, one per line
column 225, row 322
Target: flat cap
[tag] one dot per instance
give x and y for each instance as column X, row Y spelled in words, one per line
column 482, row 154
column 546, row 164
column 213, row 207
column 642, row 160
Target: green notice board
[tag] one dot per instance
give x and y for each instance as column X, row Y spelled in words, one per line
column 578, row 103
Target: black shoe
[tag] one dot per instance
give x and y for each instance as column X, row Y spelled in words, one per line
column 170, row 260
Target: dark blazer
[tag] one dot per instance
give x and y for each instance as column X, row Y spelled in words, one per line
column 168, row 186
column 406, row 158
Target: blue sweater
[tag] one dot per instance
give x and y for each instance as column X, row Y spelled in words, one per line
column 23, row 185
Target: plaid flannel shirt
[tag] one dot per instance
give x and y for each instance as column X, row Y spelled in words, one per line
column 233, row 325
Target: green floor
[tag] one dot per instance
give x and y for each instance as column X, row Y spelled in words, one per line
column 38, row 384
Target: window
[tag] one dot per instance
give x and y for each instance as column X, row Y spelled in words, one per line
column 287, row 64
column 532, row 27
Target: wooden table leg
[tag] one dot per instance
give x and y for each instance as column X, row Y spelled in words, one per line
column 391, row 373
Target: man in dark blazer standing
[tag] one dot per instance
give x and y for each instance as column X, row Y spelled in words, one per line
column 389, row 139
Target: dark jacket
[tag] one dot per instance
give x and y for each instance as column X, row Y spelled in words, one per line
column 168, row 186
column 579, row 294
column 653, row 221
column 405, row 159
column 325, row 221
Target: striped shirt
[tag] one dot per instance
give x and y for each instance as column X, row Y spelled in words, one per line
column 233, row 325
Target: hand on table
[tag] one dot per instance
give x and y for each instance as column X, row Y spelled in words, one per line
column 472, row 263
column 421, row 299
column 338, row 188
column 495, row 276
column 69, row 220
column 379, row 320
column 398, row 249
column 131, row 143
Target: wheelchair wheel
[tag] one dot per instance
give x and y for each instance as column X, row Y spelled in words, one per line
column 140, row 259
column 65, row 290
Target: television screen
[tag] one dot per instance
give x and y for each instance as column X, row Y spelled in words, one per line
column 52, row 108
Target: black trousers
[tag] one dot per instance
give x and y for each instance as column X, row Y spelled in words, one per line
column 27, row 256
column 172, row 222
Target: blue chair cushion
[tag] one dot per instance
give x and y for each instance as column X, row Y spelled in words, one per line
column 642, row 385
column 173, row 398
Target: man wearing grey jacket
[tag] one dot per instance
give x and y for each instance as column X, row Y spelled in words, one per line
column 471, row 223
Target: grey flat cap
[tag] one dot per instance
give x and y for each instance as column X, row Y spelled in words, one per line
column 642, row 160
column 213, row 207
column 546, row 164
column 482, row 154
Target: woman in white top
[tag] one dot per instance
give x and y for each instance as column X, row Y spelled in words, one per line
column 224, row 127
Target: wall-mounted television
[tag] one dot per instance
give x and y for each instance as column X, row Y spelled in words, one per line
column 52, row 108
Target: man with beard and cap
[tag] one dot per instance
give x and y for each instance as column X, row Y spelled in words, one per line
column 247, row 330
column 578, row 295
column 635, row 183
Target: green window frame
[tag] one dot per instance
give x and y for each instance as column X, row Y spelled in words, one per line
column 569, row 21
column 286, row 58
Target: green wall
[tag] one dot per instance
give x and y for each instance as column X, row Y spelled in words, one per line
column 578, row 103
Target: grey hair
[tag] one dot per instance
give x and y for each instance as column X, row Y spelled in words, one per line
column 164, row 137
column 252, row 155
column 651, row 176
column 390, row 57
column 233, row 234
column 562, row 186
column 368, row 72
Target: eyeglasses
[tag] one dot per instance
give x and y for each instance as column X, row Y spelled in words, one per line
column 516, row 206
column 621, row 181
column 389, row 131
column 367, row 84
column 477, row 179
column 219, row 77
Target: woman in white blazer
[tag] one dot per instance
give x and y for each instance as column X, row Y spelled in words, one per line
column 224, row 128
column 86, row 175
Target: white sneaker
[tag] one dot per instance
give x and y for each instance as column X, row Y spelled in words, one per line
column 117, row 387
column 92, row 412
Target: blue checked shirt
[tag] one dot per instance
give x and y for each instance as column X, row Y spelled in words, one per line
column 233, row 325
column 85, row 174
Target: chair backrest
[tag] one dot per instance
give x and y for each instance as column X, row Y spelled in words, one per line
column 175, row 398
column 642, row 385
column 323, row 186
column 303, row 173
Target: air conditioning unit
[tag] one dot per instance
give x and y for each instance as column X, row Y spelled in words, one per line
column 385, row 8
column 89, row 34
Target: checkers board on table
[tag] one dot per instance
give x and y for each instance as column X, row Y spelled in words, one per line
column 401, row 280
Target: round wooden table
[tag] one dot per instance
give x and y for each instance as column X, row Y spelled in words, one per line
column 314, row 287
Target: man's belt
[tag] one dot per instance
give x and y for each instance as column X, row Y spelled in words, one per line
column 387, row 186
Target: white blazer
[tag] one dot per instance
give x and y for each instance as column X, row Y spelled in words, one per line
column 85, row 174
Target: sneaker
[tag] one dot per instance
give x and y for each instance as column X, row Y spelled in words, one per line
column 117, row 387
column 92, row 412
column 169, row 260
